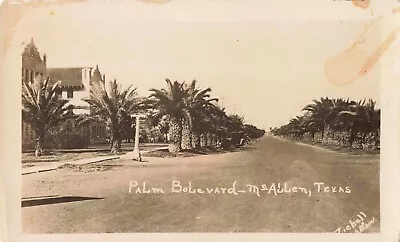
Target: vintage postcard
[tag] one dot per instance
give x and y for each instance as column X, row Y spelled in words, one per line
column 198, row 120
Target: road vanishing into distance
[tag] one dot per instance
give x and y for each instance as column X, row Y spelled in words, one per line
column 272, row 185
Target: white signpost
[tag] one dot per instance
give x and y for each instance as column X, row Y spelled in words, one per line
column 135, row 155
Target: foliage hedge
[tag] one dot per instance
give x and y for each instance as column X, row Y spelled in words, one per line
column 63, row 139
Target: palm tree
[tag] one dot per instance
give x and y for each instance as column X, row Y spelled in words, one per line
column 322, row 114
column 42, row 109
column 345, row 117
column 172, row 102
column 212, row 125
column 235, row 122
column 370, row 116
column 298, row 126
column 310, row 125
column 361, row 117
column 186, row 140
column 220, row 122
column 113, row 107
column 373, row 120
column 198, row 101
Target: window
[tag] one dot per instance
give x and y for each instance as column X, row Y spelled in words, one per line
column 32, row 76
column 70, row 94
column 58, row 93
column 26, row 75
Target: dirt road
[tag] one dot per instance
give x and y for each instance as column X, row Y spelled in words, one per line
column 270, row 186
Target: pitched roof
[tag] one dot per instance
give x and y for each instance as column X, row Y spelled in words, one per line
column 32, row 51
column 69, row 77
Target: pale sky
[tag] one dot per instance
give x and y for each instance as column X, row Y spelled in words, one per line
column 263, row 59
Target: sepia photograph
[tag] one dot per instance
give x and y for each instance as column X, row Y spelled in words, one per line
column 196, row 127
column 187, row 117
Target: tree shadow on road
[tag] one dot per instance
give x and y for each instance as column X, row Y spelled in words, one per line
column 46, row 200
column 241, row 148
column 164, row 153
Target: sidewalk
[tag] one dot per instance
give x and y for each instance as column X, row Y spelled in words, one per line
column 106, row 147
column 51, row 167
column 56, row 165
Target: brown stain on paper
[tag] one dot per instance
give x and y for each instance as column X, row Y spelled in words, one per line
column 354, row 62
column 364, row 4
column 369, row 64
column 155, row 1
column 344, row 67
column 396, row 10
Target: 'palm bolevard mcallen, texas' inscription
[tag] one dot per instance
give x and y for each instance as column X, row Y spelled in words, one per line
column 236, row 189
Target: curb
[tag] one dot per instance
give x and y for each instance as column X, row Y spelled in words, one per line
column 31, row 172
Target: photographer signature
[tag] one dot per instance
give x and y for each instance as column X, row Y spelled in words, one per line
column 357, row 225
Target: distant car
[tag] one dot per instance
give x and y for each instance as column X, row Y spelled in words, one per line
column 235, row 139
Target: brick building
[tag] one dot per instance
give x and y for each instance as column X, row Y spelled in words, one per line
column 75, row 85
column 32, row 64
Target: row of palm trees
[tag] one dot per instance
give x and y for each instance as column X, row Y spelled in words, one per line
column 194, row 118
column 355, row 118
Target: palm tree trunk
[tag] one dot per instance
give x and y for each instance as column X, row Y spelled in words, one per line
column 186, row 136
column 203, row 140
column 39, row 148
column 195, row 139
column 116, row 138
column 175, row 135
column 364, row 138
column 208, row 135
column 166, row 137
column 214, row 140
column 351, row 138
